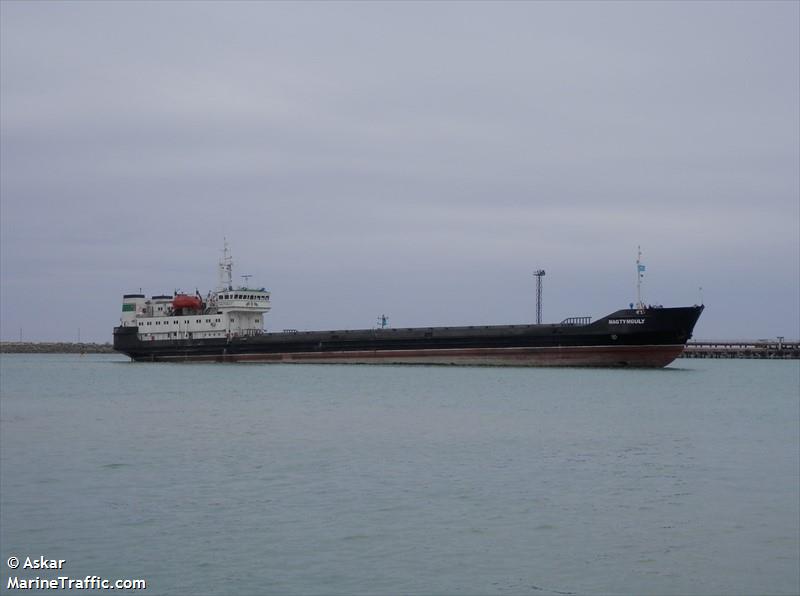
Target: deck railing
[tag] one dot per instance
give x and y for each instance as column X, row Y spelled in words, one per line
column 577, row 321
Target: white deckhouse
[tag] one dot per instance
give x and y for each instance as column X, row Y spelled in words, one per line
column 225, row 312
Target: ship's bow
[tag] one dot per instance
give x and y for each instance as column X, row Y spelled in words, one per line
column 652, row 337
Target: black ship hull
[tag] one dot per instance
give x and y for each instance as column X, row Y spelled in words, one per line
column 651, row 338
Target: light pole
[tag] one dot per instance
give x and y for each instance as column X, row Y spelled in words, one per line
column 539, row 274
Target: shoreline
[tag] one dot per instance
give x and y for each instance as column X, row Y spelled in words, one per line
column 54, row 347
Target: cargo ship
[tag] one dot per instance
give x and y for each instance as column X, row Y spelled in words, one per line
column 227, row 325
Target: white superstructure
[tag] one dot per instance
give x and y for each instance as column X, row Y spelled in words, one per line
column 224, row 313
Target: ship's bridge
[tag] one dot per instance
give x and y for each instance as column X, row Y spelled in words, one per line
column 243, row 299
column 242, row 309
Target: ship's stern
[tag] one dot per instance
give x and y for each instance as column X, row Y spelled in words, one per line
column 126, row 340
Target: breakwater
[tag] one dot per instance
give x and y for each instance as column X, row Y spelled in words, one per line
column 756, row 349
column 29, row 347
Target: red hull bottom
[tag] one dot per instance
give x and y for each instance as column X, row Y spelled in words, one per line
column 588, row 356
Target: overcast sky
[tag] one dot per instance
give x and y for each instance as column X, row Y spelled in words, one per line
column 414, row 159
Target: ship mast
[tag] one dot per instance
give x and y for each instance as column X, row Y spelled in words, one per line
column 639, row 275
column 225, row 268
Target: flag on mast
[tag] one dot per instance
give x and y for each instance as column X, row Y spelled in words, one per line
column 640, row 269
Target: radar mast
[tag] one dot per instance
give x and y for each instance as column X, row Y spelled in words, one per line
column 225, row 268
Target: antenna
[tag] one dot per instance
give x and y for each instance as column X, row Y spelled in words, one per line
column 383, row 322
column 539, row 274
column 246, row 279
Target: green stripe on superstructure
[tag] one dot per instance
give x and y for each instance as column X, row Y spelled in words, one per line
column 128, row 307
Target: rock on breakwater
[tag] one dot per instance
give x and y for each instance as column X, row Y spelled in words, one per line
column 27, row 347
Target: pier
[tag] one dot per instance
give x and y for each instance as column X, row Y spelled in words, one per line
column 761, row 348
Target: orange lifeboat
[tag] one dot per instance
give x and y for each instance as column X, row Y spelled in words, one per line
column 183, row 301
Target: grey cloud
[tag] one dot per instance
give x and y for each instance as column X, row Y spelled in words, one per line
column 420, row 157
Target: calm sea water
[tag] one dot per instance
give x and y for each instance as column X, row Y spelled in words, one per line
column 298, row 479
